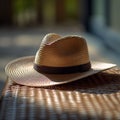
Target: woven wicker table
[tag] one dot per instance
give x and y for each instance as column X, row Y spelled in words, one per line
column 93, row 98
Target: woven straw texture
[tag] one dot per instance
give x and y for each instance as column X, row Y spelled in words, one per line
column 65, row 51
column 21, row 71
column 93, row 98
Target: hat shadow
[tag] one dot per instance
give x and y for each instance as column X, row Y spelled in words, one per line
column 100, row 83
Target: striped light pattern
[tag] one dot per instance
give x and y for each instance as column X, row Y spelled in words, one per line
column 95, row 98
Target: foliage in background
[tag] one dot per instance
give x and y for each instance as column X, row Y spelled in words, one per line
column 72, row 8
column 25, row 11
column 22, row 5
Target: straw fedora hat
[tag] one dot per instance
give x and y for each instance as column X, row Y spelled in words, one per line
column 58, row 60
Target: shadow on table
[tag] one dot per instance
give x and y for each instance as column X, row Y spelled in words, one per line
column 22, row 102
column 101, row 83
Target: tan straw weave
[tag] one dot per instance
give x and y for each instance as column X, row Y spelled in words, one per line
column 59, row 60
column 93, row 98
column 65, row 51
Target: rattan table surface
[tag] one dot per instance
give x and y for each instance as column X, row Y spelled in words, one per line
column 93, row 98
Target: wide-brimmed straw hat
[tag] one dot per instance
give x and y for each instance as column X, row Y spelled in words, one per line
column 58, row 60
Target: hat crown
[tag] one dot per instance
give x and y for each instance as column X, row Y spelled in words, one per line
column 57, row 51
column 59, row 60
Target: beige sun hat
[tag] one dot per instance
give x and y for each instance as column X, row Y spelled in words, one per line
column 58, row 60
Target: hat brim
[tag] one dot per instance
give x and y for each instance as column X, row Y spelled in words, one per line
column 22, row 72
